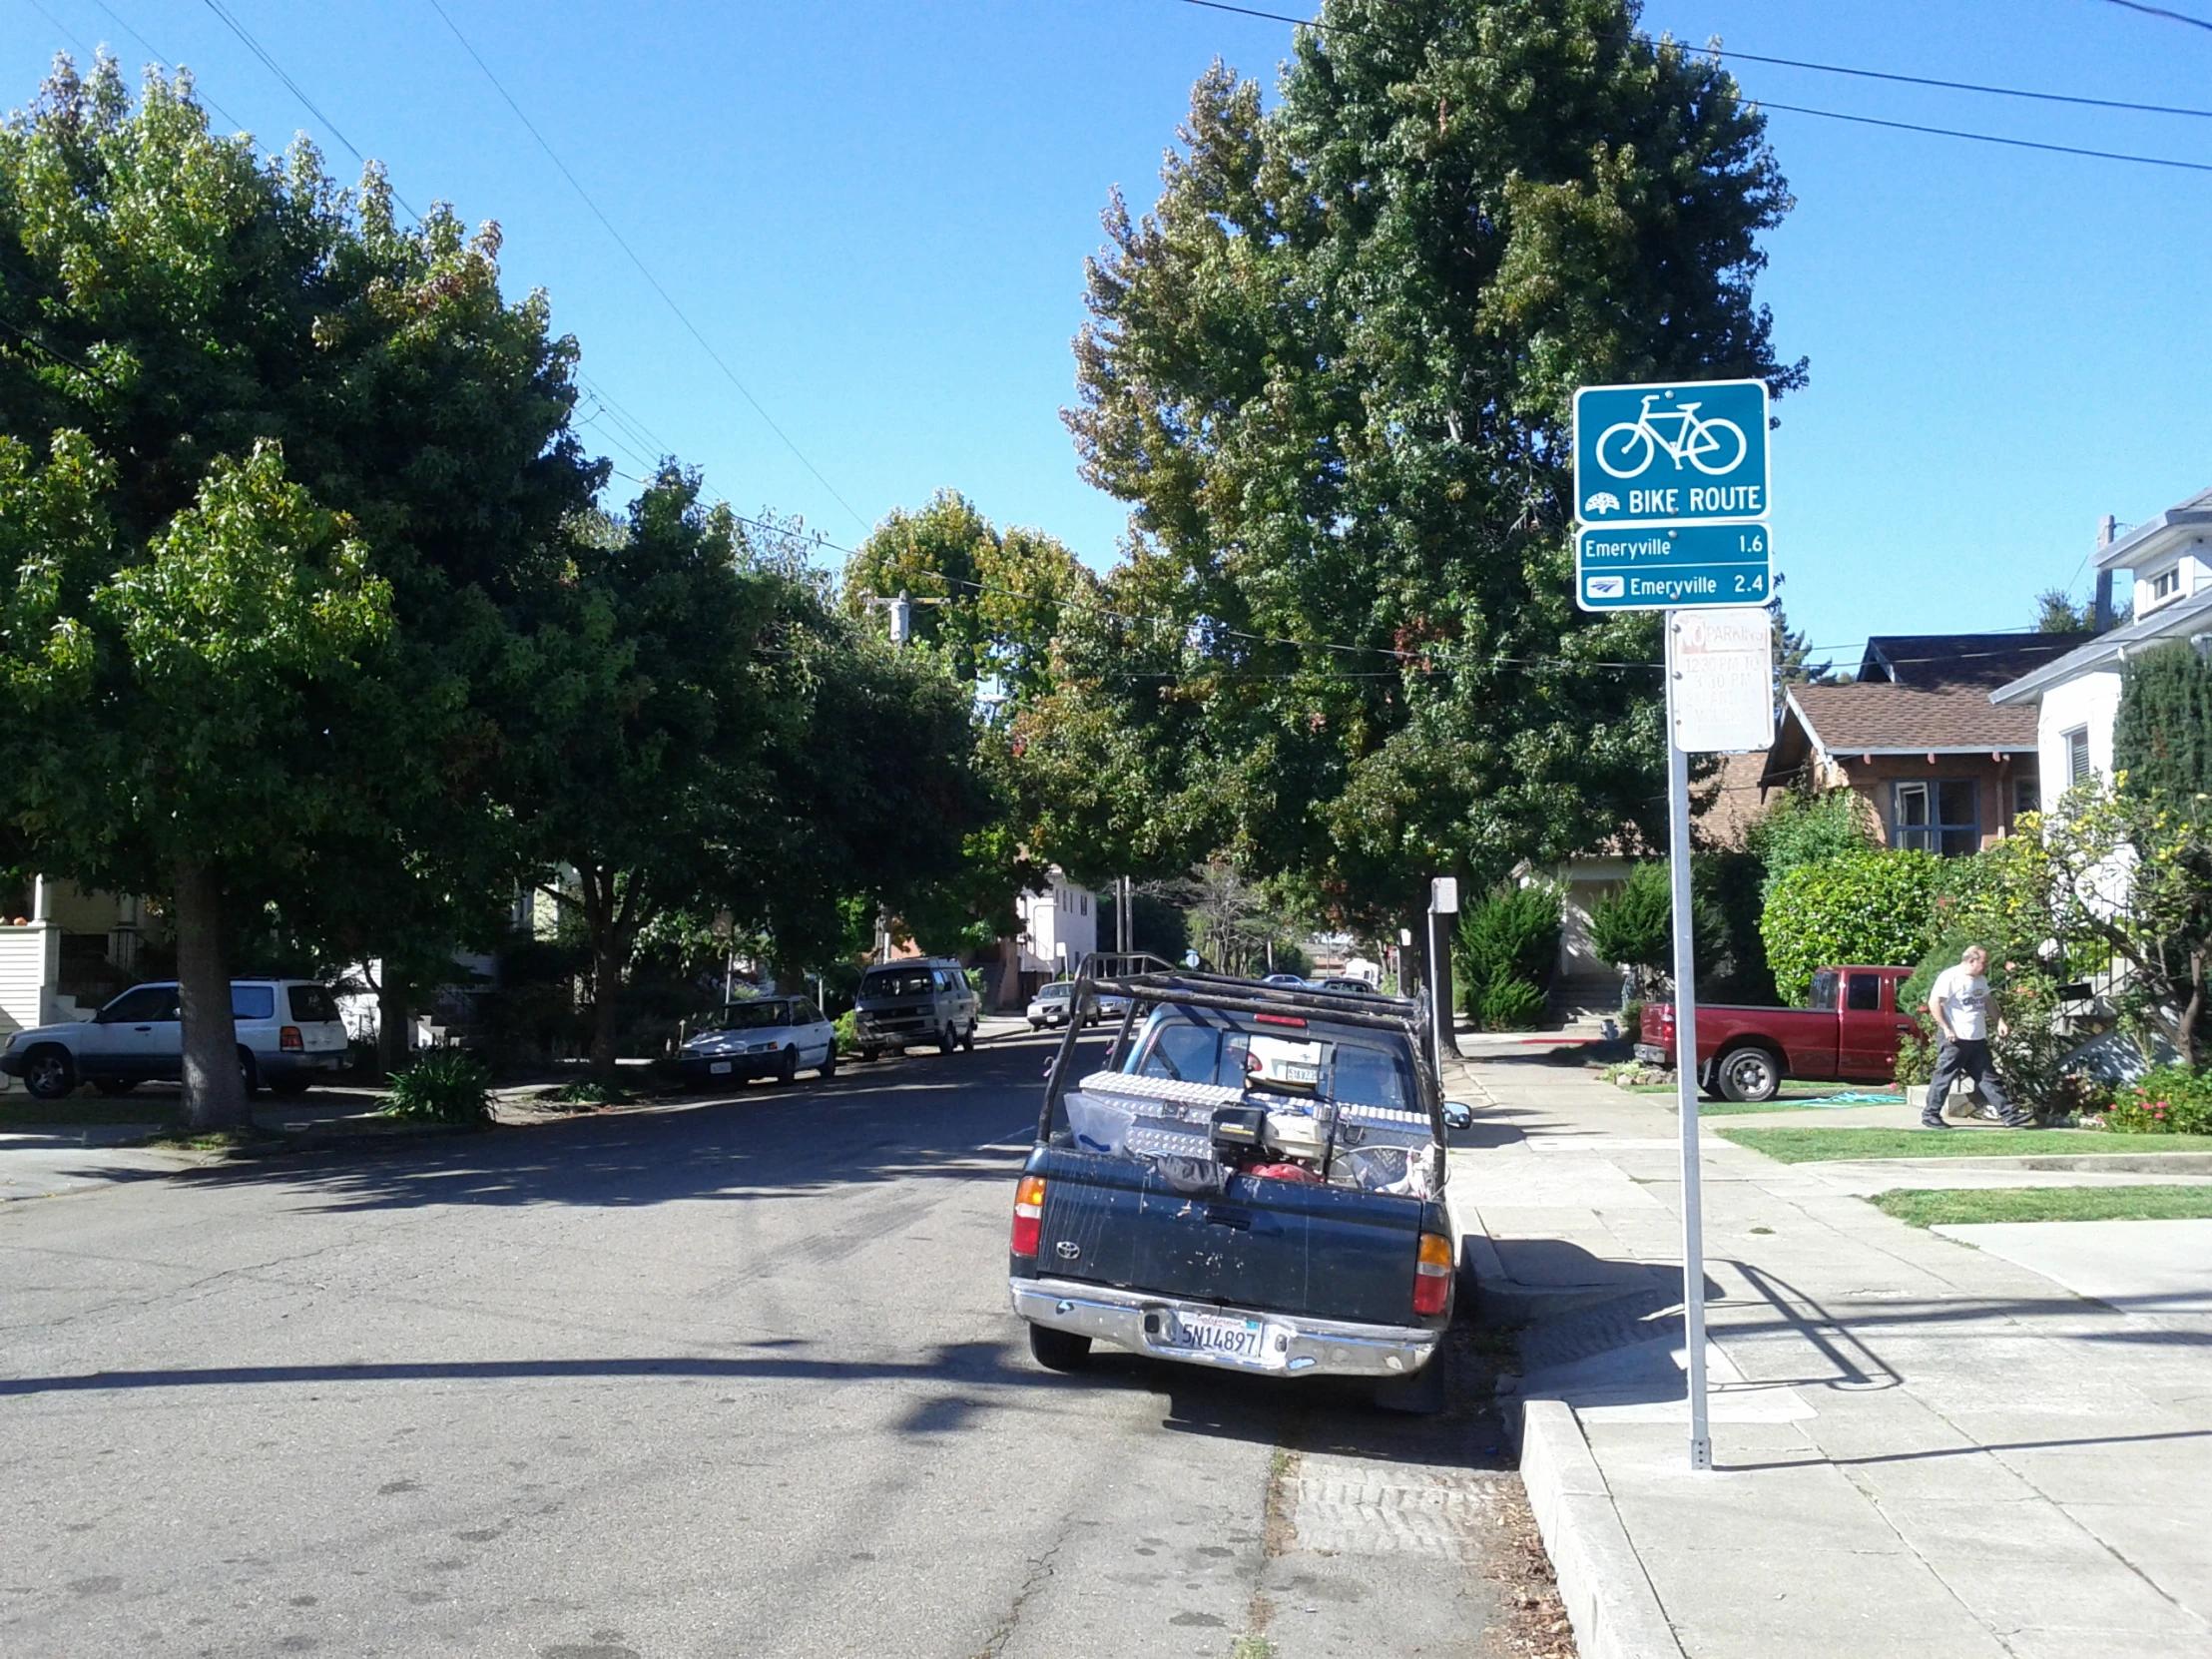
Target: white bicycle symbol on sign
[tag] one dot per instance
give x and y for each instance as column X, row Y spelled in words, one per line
column 1712, row 446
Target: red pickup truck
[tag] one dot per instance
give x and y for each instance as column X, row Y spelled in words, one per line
column 1848, row 1032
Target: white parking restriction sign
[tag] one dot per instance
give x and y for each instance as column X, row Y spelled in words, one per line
column 1721, row 664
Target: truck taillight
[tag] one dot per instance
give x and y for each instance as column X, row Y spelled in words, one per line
column 1431, row 1274
column 289, row 1041
column 1029, row 1215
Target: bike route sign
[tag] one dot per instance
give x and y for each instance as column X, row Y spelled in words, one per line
column 1651, row 567
column 1694, row 452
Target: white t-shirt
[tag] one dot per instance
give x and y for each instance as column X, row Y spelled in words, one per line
column 1965, row 1000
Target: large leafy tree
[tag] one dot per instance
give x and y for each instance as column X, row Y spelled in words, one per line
column 694, row 731
column 266, row 370
column 1331, row 372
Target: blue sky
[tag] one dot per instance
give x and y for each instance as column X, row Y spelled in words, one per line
column 878, row 214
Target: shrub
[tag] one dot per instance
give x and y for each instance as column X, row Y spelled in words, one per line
column 1632, row 1020
column 588, row 1091
column 2162, row 732
column 1801, row 829
column 1870, row 908
column 1633, row 925
column 2172, row 1100
column 1915, row 1060
column 1507, row 949
column 1510, row 1005
column 848, row 1040
column 446, row 1086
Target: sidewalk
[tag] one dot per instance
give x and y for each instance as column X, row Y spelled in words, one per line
column 1921, row 1448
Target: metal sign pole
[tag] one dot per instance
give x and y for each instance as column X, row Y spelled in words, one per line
column 1686, row 1066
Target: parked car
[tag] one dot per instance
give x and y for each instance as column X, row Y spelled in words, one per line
column 1337, row 982
column 1293, row 980
column 924, row 1000
column 288, row 1034
column 1847, row 1032
column 767, row 1036
column 1254, row 1180
column 1049, row 1007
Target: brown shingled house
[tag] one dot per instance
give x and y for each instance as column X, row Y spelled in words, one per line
column 1916, row 735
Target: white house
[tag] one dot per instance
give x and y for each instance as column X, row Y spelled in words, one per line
column 2076, row 696
column 1059, row 927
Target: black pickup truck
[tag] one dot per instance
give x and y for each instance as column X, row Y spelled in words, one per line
column 1255, row 1179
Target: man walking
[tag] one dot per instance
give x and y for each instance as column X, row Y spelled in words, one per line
column 1959, row 1002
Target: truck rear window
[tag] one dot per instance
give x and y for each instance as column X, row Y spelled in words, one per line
column 1824, row 993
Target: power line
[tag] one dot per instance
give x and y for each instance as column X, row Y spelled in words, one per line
column 643, row 270
column 164, row 63
column 276, row 69
column 64, row 29
column 1871, row 74
column 2162, row 11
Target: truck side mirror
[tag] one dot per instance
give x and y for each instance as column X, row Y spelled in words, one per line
column 1458, row 1116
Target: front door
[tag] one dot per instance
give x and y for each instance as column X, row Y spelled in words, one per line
column 129, row 1036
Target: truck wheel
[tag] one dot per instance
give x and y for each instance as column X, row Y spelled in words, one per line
column 948, row 1038
column 967, row 1040
column 870, row 1054
column 1426, row 1393
column 113, row 1087
column 49, row 1073
column 1750, row 1075
column 1058, row 1350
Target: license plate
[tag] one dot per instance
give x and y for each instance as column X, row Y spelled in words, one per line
column 1230, row 1336
column 717, row 1067
column 1297, row 1074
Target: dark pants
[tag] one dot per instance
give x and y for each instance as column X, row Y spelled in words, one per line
column 1969, row 1059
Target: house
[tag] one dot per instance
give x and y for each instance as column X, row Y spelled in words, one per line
column 2075, row 697
column 1059, row 927
column 1916, row 736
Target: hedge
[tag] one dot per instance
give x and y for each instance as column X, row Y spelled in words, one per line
column 1873, row 907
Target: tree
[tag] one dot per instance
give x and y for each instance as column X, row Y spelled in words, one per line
column 2162, row 732
column 1332, row 373
column 1802, row 829
column 1792, row 663
column 173, row 711
column 2057, row 613
column 179, row 300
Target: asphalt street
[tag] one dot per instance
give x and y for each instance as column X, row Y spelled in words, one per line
column 728, row 1378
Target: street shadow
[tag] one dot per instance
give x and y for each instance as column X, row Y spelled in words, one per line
column 968, row 1121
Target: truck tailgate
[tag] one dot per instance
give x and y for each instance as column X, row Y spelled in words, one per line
column 1333, row 1253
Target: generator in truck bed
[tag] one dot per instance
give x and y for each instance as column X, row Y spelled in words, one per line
column 1255, row 1179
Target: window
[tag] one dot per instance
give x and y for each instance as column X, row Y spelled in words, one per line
column 1083, row 903
column 2026, row 796
column 805, row 1013
column 2077, row 754
column 2162, row 587
column 1822, row 999
column 1863, row 993
column 1942, row 816
column 311, row 1004
column 141, row 1005
column 252, row 1002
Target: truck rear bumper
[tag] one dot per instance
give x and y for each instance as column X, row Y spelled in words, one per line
column 1144, row 1323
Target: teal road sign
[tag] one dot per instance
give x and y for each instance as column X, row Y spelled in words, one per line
column 1687, row 454
column 1671, row 567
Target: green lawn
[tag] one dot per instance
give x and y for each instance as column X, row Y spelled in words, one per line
column 1952, row 1207
column 1804, row 1146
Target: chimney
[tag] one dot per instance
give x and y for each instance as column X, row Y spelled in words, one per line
column 2101, row 617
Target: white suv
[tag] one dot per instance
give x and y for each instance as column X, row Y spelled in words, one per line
column 289, row 1030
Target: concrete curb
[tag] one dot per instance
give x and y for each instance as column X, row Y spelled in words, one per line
column 1609, row 1599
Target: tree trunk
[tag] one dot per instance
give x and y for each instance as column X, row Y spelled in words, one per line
column 395, row 1044
column 215, row 1092
column 606, row 1013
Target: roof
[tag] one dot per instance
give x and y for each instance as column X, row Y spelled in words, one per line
column 1879, row 718
column 1985, row 660
column 2156, row 536
column 2179, row 619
